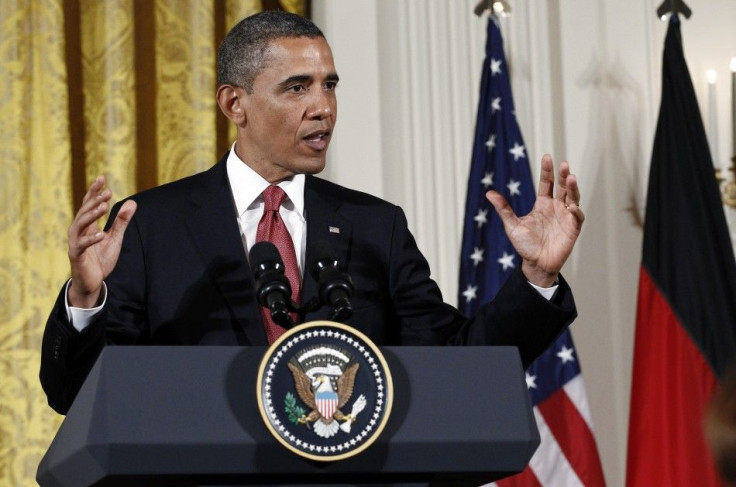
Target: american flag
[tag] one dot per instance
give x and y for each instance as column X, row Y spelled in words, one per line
column 568, row 455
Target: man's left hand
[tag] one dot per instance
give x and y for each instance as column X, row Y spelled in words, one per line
column 545, row 237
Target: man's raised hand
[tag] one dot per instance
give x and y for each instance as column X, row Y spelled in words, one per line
column 93, row 253
column 545, row 237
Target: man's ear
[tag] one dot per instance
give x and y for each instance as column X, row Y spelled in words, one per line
column 231, row 102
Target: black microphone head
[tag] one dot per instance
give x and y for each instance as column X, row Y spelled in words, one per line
column 264, row 256
column 322, row 257
column 268, row 272
column 335, row 287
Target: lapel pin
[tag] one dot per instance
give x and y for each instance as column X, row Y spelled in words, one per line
column 334, row 229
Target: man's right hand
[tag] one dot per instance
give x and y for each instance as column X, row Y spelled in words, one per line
column 93, row 253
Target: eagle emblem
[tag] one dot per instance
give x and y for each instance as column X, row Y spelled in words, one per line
column 324, row 377
column 324, row 390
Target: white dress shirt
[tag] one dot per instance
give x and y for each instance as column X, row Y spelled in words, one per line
column 247, row 186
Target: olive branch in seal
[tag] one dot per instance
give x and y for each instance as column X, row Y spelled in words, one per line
column 293, row 411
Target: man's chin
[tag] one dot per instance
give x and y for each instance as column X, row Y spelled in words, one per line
column 313, row 167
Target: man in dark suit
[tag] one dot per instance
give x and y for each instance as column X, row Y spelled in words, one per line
column 172, row 268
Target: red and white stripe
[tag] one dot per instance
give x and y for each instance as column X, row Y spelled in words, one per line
column 567, row 455
column 326, row 407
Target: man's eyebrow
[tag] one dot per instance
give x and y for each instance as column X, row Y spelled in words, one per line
column 297, row 78
column 305, row 78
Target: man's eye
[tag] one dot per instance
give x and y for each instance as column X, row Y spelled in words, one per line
column 331, row 85
column 297, row 88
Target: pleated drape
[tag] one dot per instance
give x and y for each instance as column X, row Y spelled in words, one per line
column 123, row 88
column 35, row 211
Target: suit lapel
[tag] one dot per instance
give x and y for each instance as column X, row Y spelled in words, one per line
column 324, row 226
column 214, row 229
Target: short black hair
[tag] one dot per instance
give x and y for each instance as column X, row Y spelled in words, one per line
column 243, row 51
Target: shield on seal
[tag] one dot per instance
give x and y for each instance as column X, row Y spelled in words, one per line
column 326, row 403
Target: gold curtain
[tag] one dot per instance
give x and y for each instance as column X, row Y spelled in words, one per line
column 123, row 88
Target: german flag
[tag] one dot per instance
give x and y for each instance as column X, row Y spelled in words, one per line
column 686, row 312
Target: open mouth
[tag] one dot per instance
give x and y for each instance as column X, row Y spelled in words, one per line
column 318, row 140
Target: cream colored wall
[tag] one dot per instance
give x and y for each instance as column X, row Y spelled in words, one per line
column 586, row 78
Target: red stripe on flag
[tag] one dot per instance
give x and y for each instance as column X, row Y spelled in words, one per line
column 524, row 479
column 574, row 437
column 671, row 385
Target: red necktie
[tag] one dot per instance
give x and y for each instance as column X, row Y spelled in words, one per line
column 272, row 229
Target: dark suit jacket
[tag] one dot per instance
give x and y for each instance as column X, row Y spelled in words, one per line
column 183, row 278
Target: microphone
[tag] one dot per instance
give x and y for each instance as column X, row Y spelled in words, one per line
column 335, row 286
column 273, row 290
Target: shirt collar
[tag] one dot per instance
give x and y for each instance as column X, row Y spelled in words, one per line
column 247, row 186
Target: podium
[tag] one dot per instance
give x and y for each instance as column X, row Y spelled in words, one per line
column 188, row 416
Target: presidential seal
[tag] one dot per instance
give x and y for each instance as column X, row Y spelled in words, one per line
column 324, row 391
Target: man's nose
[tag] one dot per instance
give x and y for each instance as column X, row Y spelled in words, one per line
column 323, row 106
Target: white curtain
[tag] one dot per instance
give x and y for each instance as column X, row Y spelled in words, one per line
column 586, row 80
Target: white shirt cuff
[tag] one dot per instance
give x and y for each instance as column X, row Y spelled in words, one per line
column 547, row 292
column 80, row 318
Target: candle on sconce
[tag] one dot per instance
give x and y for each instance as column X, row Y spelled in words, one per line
column 712, row 117
column 729, row 192
column 733, row 105
column 711, row 75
